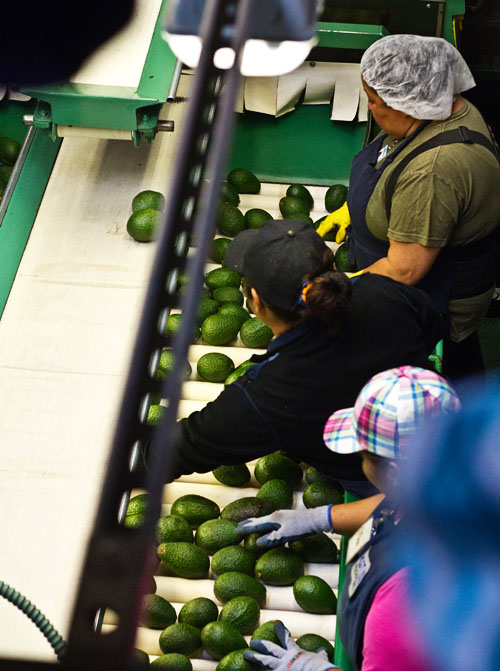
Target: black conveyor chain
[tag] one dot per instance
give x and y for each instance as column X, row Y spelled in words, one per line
column 119, row 559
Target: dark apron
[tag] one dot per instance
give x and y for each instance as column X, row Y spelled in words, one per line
column 366, row 572
column 458, row 272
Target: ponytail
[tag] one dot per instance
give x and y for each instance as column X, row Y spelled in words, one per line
column 326, row 298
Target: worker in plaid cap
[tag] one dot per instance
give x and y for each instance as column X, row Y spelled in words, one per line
column 375, row 624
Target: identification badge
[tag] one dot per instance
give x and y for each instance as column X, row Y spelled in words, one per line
column 383, row 153
column 358, row 540
column 359, row 572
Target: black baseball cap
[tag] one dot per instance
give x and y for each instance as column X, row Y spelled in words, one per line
column 275, row 258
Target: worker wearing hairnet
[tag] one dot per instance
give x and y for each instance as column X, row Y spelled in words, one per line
column 424, row 196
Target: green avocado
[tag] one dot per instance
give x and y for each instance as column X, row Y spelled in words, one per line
column 279, row 566
column 180, row 638
column 213, row 535
column 221, row 638
column 233, row 583
column 317, row 548
column 314, row 595
column 278, row 465
column 198, row 612
column 277, row 493
column 243, row 612
column 244, row 508
column 185, row 560
column 322, row 494
column 233, row 558
column 232, row 476
column 195, row 509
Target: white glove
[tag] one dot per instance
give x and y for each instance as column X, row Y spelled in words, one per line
column 287, row 525
column 287, row 658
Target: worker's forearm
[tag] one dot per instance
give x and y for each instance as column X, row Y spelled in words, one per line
column 384, row 266
column 348, row 517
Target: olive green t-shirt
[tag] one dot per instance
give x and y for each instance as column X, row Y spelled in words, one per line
column 449, row 195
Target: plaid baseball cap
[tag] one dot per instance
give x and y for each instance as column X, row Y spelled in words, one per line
column 388, row 410
column 275, row 258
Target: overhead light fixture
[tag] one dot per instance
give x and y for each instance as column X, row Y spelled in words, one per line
column 281, row 35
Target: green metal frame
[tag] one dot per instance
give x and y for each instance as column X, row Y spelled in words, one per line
column 23, row 207
column 304, row 146
column 117, row 107
column 452, row 9
column 349, row 35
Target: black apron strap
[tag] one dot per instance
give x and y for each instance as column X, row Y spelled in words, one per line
column 457, row 135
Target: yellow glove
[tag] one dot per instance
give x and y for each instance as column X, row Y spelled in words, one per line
column 340, row 218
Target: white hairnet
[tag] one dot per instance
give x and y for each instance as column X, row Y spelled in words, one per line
column 416, row 75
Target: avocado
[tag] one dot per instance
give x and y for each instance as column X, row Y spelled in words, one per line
column 236, row 311
column 232, row 476
column 229, row 194
column 195, row 509
column 235, row 661
column 221, row 638
column 173, row 661
column 220, row 329
column 342, row 259
column 278, row 465
column 316, row 548
column 222, row 277
column 255, row 217
column 335, row 197
column 243, row 612
column 277, row 493
column 181, row 638
column 313, row 642
column 141, row 658
column 314, row 595
column 250, row 543
column 214, row 366
column 138, row 504
column 266, row 632
column 244, row 508
column 184, row 559
column 322, row 494
column 312, row 474
column 218, row 249
column 231, row 584
column 206, row 307
column 156, row 612
column 233, row 558
column 300, row 191
column 243, row 180
column 224, row 295
column 230, row 220
column 198, row 612
column 238, row 371
column 255, row 334
column 213, row 535
column 279, row 566
column 171, row 529
column 291, row 206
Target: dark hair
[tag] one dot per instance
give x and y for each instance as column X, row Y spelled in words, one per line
column 326, row 300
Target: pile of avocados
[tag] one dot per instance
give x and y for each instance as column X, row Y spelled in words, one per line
column 198, row 540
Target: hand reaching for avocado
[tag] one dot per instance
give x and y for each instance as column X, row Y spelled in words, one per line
column 340, row 218
column 287, row 525
column 287, row 657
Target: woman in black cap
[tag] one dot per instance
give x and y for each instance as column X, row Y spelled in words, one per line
column 332, row 334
